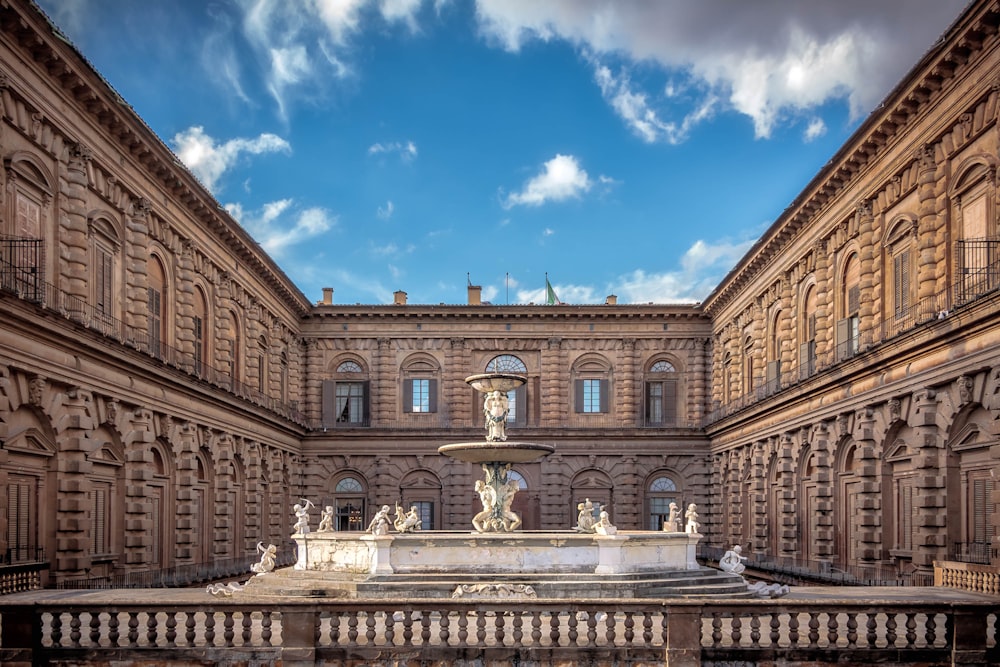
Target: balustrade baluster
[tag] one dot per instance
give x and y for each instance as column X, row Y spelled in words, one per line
column 444, row 634
column 425, row 627
column 408, row 627
column 171, row 624
column 571, row 633
column 210, row 627
column 793, row 628
column 629, row 627
column 370, row 628
column 852, row 629
column 647, row 628
column 872, row 627
column 536, row 628
column 890, row 629
column 113, row 628
column 95, row 628
column 390, row 629
column 813, row 629
column 735, row 629
column 189, row 626
column 775, row 635
column 247, row 634
column 911, row 629
column 352, row 628
column 480, row 627
column 518, row 622
column 716, row 629
column 56, row 634
column 228, row 623
column 498, row 623
column 610, row 623
column 463, row 627
column 755, row 630
column 591, row 628
column 554, row 635
column 930, row 629
column 832, row 628
column 74, row 629
column 265, row 628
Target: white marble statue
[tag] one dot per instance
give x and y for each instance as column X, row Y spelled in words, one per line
column 482, row 522
column 673, row 522
column 302, row 516
column 510, row 519
column 267, row 556
column 585, row 519
column 603, row 526
column 691, row 515
column 732, row 560
column 326, row 520
column 379, row 524
column 496, row 407
column 408, row 522
column 763, row 590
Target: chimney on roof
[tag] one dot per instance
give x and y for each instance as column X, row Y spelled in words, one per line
column 399, row 298
column 327, row 296
column 475, row 295
column 611, row 300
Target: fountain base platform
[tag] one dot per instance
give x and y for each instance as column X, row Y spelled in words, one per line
column 521, row 565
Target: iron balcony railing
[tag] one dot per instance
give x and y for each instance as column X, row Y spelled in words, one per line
column 978, row 268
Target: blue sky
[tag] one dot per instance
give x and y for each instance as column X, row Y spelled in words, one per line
column 627, row 147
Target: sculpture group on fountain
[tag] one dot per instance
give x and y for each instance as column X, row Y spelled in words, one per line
column 592, row 518
column 496, row 407
column 691, row 523
column 732, row 562
column 496, row 493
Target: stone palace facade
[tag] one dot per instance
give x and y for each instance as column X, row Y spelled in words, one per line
column 167, row 393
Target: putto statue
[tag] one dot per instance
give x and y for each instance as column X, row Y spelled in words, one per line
column 603, row 526
column 585, row 520
column 691, row 515
column 673, row 522
column 496, row 407
column 326, row 520
column 267, row 557
column 379, row 524
column 301, row 512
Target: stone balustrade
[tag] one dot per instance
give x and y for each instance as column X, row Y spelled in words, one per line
column 971, row 577
column 166, row 626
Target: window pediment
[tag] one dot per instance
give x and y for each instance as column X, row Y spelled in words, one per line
column 29, row 441
column 899, row 452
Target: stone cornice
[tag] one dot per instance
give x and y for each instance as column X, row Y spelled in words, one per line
column 42, row 43
column 660, row 312
column 922, row 87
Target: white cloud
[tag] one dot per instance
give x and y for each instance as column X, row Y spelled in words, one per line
column 769, row 59
column 209, row 160
column 406, row 150
column 385, row 212
column 815, row 130
column 702, row 267
column 561, row 178
column 279, row 225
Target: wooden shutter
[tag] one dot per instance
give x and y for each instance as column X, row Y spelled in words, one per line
column 982, row 510
column 901, row 283
column 365, row 403
column 843, row 335
column 853, row 299
column 806, row 359
column 773, row 370
column 578, row 395
column 407, row 395
column 104, row 282
column 669, row 401
column 329, row 402
column 604, row 387
column 521, row 405
column 432, row 396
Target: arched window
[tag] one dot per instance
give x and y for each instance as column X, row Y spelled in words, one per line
column 420, row 384
column 200, row 319
column 661, row 394
column 976, row 232
column 807, row 333
column 660, row 493
column 848, row 326
column 899, row 268
column 262, row 364
column 516, row 398
column 592, row 385
column 346, row 396
column 349, row 504
column 105, row 248
column 156, row 305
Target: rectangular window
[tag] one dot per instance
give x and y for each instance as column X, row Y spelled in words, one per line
column 661, row 403
column 982, row 508
column 592, row 393
column 104, row 282
column 350, row 514
column 199, row 344
column 350, row 402
column 420, row 395
column 901, row 283
column 100, row 528
column 659, row 512
column 904, row 515
column 22, row 520
column 654, row 402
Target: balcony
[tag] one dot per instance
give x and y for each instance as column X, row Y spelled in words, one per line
column 19, row 276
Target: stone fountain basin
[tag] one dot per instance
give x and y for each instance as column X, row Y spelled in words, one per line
column 487, row 382
column 496, row 452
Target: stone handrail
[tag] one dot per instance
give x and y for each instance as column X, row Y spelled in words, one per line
column 190, row 625
column 971, row 577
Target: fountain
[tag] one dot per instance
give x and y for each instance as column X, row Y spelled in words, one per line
column 594, row 559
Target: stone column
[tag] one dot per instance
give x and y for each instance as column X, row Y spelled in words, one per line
column 139, row 526
column 930, row 539
column 185, row 308
column 825, row 317
column 927, row 224
column 73, row 244
column 74, row 423
column 866, row 284
column 136, row 270
column 187, row 468
column 628, row 386
column 787, row 510
column 823, row 533
column 870, row 497
column 555, row 383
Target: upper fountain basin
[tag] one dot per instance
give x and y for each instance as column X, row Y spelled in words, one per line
column 488, row 382
column 496, row 452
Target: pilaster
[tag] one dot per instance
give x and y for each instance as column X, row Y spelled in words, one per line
column 869, row 502
column 73, row 229
column 927, row 223
column 136, row 270
column 75, row 424
column 185, row 308
column 930, row 539
column 823, row 528
column 139, row 527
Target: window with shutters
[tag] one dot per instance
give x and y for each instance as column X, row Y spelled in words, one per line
column 517, row 399
column 899, row 270
column 28, row 217
column 807, row 333
column 104, row 251
column 591, row 385
column 772, row 371
column 661, row 394
column 980, row 531
column 420, row 384
column 975, row 229
column 848, row 332
column 262, row 364
column 904, row 514
column 155, row 291
column 22, row 518
column 749, row 367
column 201, row 355
column 100, row 517
column 346, row 396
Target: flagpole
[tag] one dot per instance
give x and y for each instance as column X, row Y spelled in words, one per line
column 507, row 284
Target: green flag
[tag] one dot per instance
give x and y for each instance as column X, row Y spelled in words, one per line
column 550, row 294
